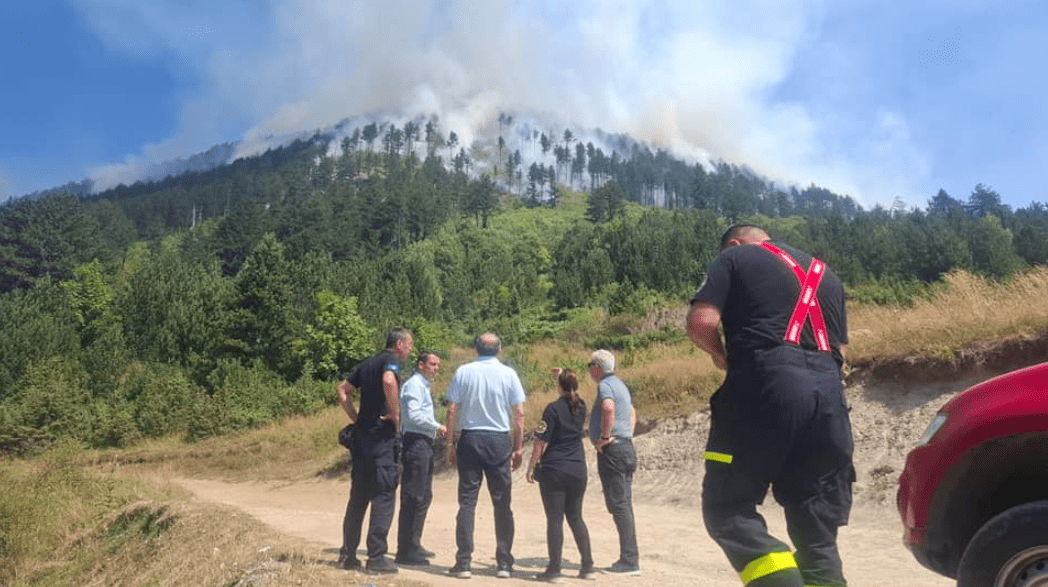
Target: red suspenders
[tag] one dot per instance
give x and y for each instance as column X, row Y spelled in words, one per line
column 808, row 302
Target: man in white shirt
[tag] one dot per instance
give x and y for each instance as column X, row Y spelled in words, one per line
column 487, row 408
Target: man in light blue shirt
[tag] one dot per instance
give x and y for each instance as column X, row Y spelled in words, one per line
column 487, row 409
column 418, row 427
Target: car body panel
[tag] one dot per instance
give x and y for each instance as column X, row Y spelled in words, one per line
column 1012, row 404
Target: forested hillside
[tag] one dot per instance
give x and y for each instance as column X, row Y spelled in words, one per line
column 222, row 299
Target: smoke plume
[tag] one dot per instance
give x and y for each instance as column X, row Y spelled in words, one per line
column 696, row 78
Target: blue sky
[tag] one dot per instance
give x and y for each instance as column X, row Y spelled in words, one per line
column 875, row 100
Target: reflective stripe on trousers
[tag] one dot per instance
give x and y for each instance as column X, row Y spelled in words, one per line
column 767, row 565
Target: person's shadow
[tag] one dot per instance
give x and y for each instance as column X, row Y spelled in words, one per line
column 523, row 568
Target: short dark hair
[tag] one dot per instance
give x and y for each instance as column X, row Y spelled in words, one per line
column 736, row 231
column 396, row 335
column 487, row 344
column 424, row 356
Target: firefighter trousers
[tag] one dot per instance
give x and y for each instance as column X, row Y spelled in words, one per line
column 780, row 420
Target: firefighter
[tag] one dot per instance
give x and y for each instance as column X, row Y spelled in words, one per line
column 780, row 418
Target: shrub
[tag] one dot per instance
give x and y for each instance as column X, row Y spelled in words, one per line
column 114, row 424
column 305, row 396
column 250, row 396
column 888, row 291
column 164, row 401
column 338, row 338
column 49, row 402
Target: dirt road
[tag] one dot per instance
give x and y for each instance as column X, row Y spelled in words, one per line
column 675, row 549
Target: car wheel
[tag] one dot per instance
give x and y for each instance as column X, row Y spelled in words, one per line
column 1010, row 550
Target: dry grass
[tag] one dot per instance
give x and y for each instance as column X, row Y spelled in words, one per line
column 286, row 450
column 669, row 379
column 665, row 378
column 189, row 543
column 966, row 310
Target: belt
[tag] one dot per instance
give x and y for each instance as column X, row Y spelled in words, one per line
column 486, row 432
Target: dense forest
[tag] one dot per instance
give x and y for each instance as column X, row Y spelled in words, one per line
column 217, row 300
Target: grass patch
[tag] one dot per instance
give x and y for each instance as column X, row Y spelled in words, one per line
column 50, row 502
column 964, row 309
column 283, row 450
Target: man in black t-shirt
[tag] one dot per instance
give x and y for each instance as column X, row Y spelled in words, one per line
column 374, row 474
column 780, row 417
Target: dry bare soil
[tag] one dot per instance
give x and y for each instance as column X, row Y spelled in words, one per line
column 888, row 415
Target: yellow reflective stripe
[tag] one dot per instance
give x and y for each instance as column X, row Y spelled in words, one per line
column 719, row 457
column 768, row 564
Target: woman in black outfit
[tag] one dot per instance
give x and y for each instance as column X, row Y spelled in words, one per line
column 559, row 464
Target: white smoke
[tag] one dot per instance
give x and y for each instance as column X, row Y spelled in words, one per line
column 694, row 77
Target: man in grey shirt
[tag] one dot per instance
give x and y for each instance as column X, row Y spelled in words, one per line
column 611, row 431
column 486, row 406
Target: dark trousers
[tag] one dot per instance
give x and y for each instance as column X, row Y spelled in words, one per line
column 416, row 491
column 615, row 466
column 374, row 483
column 484, row 455
column 562, row 496
column 781, row 421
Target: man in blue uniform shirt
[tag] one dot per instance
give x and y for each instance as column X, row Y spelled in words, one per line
column 374, row 474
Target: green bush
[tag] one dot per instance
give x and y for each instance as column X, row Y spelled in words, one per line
column 49, row 402
column 163, row 399
column 431, row 336
column 338, row 338
column 249, row 397
column 114, row 424
column 305, row 396
column 888, row 291
column 243, row 397
column 34, row 324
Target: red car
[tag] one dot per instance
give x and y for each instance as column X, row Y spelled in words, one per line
column 974, row 493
